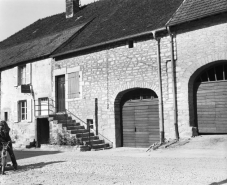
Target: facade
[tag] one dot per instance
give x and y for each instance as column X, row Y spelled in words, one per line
column 17, row 105
column 200, row 73
column 108, row 76
column 140, row 77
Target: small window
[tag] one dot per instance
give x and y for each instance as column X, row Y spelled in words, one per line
column 6, row 116
column 22, row 75
column 22, row 110
column 43, row 106
column 130, row 44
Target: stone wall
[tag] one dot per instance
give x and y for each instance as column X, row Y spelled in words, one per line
column 198, row 44
column 106, row 73
column 24, row 131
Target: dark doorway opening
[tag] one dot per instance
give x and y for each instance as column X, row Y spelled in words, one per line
column 43, row 131
column 60, row 93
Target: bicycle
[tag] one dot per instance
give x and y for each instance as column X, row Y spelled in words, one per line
column 3, row 156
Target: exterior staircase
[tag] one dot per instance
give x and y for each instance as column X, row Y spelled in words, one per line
column 75, row 129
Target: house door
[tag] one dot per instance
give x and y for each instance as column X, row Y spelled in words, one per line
column 60, row 97
column 140, row 119
column 43, row 131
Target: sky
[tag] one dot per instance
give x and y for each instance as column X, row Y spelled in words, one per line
column 17, row 14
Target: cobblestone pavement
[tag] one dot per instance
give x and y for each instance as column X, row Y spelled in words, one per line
column 201, row 161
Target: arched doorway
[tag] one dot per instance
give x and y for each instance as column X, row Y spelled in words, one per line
column 140, row 118
column 210, row 92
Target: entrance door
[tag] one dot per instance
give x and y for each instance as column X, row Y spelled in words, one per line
column 211, row 100
column 140, row 120
column 212, row 107
column 60, row 97
column 43, row 131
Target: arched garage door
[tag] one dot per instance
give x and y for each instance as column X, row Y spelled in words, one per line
column 211, row 97
column 140, row 118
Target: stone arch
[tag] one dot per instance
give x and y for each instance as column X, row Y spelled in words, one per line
column 118, row 94
column 194, row 66
column 135, row 84
column 191, row 88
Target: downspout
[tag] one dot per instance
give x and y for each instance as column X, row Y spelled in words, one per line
column 174, row 83
column 161, row 115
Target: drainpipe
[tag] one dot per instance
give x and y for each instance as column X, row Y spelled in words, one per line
column 174, row 83
column 161, row 117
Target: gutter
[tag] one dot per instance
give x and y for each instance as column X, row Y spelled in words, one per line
column 174, row 83
column 108, row 42
column 161, row 112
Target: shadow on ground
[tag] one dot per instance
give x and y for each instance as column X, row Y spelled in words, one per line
column 23, row 154
column 219, row 183
column 31, row 166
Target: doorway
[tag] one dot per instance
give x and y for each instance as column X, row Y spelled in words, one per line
column 140, row 118
column 60, row 95
column 43, row 130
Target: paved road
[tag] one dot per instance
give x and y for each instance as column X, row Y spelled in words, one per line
column 203, row 161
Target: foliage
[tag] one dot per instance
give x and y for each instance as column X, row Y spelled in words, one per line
column 64, row 139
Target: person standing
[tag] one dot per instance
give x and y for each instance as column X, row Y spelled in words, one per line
column 5, row 137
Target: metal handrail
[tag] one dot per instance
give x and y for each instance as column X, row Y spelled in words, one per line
column 67, row 112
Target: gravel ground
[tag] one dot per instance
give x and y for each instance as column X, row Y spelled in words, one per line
column 203, row 160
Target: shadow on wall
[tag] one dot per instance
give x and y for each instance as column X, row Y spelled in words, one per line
column 219, row 183
column 23, row 154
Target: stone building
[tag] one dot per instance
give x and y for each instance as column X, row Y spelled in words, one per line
column 105, row 62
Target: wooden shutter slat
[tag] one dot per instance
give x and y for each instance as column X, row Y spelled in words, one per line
column 16, row 76
column 29, row 110
column 16, row 115
column 73, row 85
column 28, row 73
column 77, row 88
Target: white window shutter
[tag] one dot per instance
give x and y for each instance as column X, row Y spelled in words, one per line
column 29, row 110
column 16, row 112
column 16, row 76
column 28, row 73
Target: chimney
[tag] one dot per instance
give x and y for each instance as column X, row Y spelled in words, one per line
column 72, row 7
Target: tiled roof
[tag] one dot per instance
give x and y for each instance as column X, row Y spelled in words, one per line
column 111, row 19
column 196, row 9
column 35, row 48
column 124, row 18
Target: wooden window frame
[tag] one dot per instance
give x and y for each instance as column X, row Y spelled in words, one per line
column 23, row 115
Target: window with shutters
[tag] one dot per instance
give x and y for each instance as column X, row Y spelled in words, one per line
column 22, row 75
column 74, row 85
column 22, row 110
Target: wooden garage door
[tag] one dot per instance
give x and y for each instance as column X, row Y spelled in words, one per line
column 212, row 107
column 140, row 123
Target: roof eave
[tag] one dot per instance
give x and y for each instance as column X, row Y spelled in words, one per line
column 190, row 20
column 109, row 42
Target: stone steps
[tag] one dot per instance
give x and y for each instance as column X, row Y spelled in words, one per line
column 78, row 131
column 93, row 142
column 91, row 138
column 86, row 134
column 75, row 129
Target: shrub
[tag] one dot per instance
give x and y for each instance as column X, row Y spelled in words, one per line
column 65, row 139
